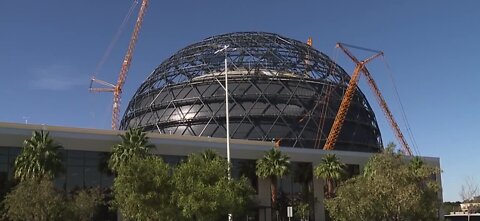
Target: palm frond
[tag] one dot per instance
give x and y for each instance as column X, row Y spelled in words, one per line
column 39, row 158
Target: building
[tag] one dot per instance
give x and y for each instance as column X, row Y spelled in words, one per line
column 468, row 212
column 283, row 93
column 280, row 89
column 85, row 150
column 462, row 216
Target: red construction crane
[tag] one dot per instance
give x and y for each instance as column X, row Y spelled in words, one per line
column 349, row 93
column 117, row 88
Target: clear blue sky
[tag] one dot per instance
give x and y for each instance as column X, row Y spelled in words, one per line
column 49, row 49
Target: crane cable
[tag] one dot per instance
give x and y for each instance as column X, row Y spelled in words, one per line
column 115, row 38
column 404, row 116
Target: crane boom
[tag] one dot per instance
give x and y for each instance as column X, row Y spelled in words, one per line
column 117, row 93
column 347, row 98
column 122, row 76
column 387, row 112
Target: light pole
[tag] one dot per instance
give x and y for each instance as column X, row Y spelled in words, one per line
column 227, row 117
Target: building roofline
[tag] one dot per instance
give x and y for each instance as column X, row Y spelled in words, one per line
column 111, row 136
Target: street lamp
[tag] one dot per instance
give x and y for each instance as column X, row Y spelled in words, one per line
column 227, row 117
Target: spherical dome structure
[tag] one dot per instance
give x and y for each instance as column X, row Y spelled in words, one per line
column 280, row 90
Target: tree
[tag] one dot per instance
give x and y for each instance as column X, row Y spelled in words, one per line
column 449, row 207
column 416, row 164
column 391, row 190
column 247, row 169
column 273, row 165
column 40, row 158
column 210, row 155
column 143, row 190
column 331, row 170
column 302, row 210
column 204, row 192
column 469, row 194
column 84, row 204
column 390, row 148
column 469, row 190
column 34, row 199
column 134, row 144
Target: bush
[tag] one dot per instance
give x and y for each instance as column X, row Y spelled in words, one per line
column 34, row 200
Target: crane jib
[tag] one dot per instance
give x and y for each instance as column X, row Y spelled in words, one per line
column 349, row 93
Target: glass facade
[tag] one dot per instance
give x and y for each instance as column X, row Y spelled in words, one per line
column 7, row 158
column 352, row 170
column 83, row 169
column 296, row 181
column 296, row 187
column 245, row 168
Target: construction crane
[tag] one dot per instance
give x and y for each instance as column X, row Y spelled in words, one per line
column 117, row 88
column 388, row 113
column 349, row 93
column 309, row 41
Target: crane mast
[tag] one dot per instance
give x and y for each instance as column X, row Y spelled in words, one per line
column 343, row 109
column 349, row 93
column 347, row 98
column 117, row 88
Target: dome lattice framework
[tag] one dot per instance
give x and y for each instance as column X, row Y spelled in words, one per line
column 280, row 89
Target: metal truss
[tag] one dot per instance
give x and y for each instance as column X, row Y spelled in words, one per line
column 277, row 88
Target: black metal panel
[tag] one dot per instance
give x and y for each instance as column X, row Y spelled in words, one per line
column 278, row 88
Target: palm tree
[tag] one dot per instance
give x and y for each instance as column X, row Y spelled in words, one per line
column 332, row 170
column 273, row 165
column 209, row 155
column 40, row 158
column 134, row 144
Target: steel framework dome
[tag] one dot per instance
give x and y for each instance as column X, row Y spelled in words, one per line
column 280, row 90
